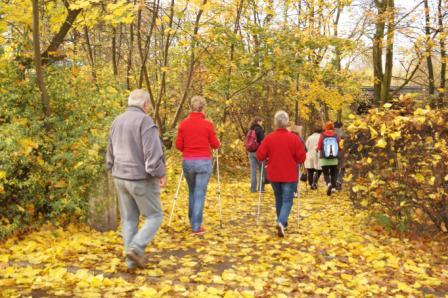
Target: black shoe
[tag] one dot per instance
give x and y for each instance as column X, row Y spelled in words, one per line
column 329, row 188
column 339, row 186
column 314, row 186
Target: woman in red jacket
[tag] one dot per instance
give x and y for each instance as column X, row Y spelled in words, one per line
column 195, row 138
column 283, row 152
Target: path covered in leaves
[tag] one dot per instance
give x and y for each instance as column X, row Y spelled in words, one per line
column 332, row 252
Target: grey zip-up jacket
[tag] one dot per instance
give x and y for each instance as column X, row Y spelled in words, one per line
column 135, row 151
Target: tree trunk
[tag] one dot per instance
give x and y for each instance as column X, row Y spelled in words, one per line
column 40, row 76
column 338, row 63
column 443, row 56
column 387, row 79
column 229, row 69
column 58, row 39
column 165, row 62
column 190, row 67
column 378, row 51
column 114, row 52
column 103, row 205
column 297, row 119
column 130, row 56
column 90, row 54
column 431, row 83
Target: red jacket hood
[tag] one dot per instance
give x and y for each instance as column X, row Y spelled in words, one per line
column 329, row 133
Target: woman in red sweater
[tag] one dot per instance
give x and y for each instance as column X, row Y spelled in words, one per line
column 283, row 152
column 195, row 138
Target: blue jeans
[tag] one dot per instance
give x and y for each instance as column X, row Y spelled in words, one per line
column 284, row 193
column 197, row 173
column 255, row 166
column 137, row 198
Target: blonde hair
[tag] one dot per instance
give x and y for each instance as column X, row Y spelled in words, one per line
column 281, row 119
column 197, row 103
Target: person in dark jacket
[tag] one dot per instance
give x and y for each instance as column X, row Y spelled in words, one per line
column 339, row 131
column 255, row 165
column 283, row 152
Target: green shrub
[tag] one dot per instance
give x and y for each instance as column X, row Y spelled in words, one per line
column 48, row 165
column 398, row 160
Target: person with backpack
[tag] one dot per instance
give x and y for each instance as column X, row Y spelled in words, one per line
column 252, row 142
column 283, row 151
column 329, row 147
column 195, row 138
column 314, row 171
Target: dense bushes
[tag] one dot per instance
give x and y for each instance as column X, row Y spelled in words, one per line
column 48, row 165
column 399, row 164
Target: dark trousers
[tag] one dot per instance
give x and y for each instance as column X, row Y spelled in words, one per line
column 313, row 176
column 330, row 174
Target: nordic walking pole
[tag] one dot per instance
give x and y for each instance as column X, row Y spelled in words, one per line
column 175, row 197
column 260, row 193
column 218, row 190
column 298, row 201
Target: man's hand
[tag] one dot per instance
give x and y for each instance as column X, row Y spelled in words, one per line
column 163, row 181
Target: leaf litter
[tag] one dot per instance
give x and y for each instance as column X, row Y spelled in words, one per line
column 334, row 251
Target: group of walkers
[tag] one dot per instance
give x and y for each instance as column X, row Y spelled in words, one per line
column 136, row 159
column 324, row 154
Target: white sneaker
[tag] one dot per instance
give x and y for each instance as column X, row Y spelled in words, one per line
column 280, row 230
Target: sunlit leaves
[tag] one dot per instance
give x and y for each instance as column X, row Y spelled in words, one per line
column 399, row 161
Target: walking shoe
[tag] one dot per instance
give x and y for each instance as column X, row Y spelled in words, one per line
column 139, row 259
column 201, row 231
column 280, row 230
column 329, row 188
column 314, row 186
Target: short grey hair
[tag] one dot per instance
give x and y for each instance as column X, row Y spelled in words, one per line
column 197, row 103
column 281, row 119
column 138, row 98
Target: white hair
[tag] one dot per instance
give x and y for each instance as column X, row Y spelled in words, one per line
column 138, row 98
column 281, row 119
column 197, row 103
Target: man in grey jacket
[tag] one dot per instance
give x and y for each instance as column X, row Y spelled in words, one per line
column 135, row 157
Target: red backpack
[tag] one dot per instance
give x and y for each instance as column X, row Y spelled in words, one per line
column 251, row 142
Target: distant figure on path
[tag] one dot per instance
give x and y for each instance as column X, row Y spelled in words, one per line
column 135, row 157
column 342, row 135
column 329, row 147
column 312, row 157
column 298, row 131
column 195, row 138
column 255, row 165
column 283, row 152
